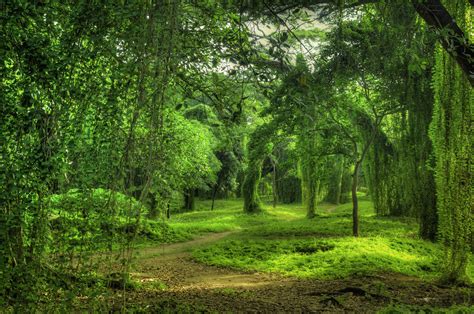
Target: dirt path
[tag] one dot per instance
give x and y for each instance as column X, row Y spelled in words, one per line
column 191, row 287
column 173, row 265
column 176, row 250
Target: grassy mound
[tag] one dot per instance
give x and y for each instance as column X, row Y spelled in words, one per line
column 328, row 258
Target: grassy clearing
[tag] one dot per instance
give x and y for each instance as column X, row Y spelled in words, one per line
column 228, row 216
column 328, row 258
column 282, row 240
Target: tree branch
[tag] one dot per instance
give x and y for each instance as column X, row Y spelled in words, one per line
column 432, row 11
column 454, row 41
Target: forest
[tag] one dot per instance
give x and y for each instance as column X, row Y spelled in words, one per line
column 177, row 156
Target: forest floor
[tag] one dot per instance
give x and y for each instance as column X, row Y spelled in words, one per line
column 172, row 279
column 192, row 286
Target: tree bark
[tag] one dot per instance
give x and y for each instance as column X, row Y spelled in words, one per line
column 312, row 187
column 153, row 213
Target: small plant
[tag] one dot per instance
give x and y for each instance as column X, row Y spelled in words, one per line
column 121, row 281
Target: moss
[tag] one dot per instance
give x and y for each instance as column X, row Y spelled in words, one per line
column 259, row 147
column 284, row 241
column 252, row 202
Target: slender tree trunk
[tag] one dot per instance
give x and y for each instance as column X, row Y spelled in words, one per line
column 355, row 201
column 214, row 192
column 313, row 188
column 339, row 181
column 274, row 186
column 16, row 244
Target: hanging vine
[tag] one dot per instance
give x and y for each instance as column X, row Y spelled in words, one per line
column 453, row 143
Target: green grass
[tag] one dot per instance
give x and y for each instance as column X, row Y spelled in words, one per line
column 227, row 216
column 328, row 258
column 402, row 309
column 282, row 240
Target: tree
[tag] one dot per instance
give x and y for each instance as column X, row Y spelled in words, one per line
column 259, row 148
column 451, row 133
column 88, row 95
column 367, row 121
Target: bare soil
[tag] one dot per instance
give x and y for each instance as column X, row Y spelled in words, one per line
column 194, row 287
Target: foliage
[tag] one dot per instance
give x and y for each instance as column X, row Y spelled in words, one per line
column 451, row 133
column 112, row 112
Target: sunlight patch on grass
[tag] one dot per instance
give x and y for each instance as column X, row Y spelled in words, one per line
column 345, row 257
column 283, row 240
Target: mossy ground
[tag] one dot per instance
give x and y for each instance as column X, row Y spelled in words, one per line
column 282, row 240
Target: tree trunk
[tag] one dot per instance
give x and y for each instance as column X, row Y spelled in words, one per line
column 250, row 189
column 188, row 200
column 311, row 205
column 153, row 213
column 355, row 176
column 339, row 181
column 214, row 192
column 274, row 186
column 355, row 201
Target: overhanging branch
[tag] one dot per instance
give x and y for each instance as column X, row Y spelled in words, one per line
column 452, row 38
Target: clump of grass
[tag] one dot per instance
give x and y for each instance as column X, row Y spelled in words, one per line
column 156, row 285
column 121, row 281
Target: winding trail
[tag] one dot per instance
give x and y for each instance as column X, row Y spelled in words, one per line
column 208, row 288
